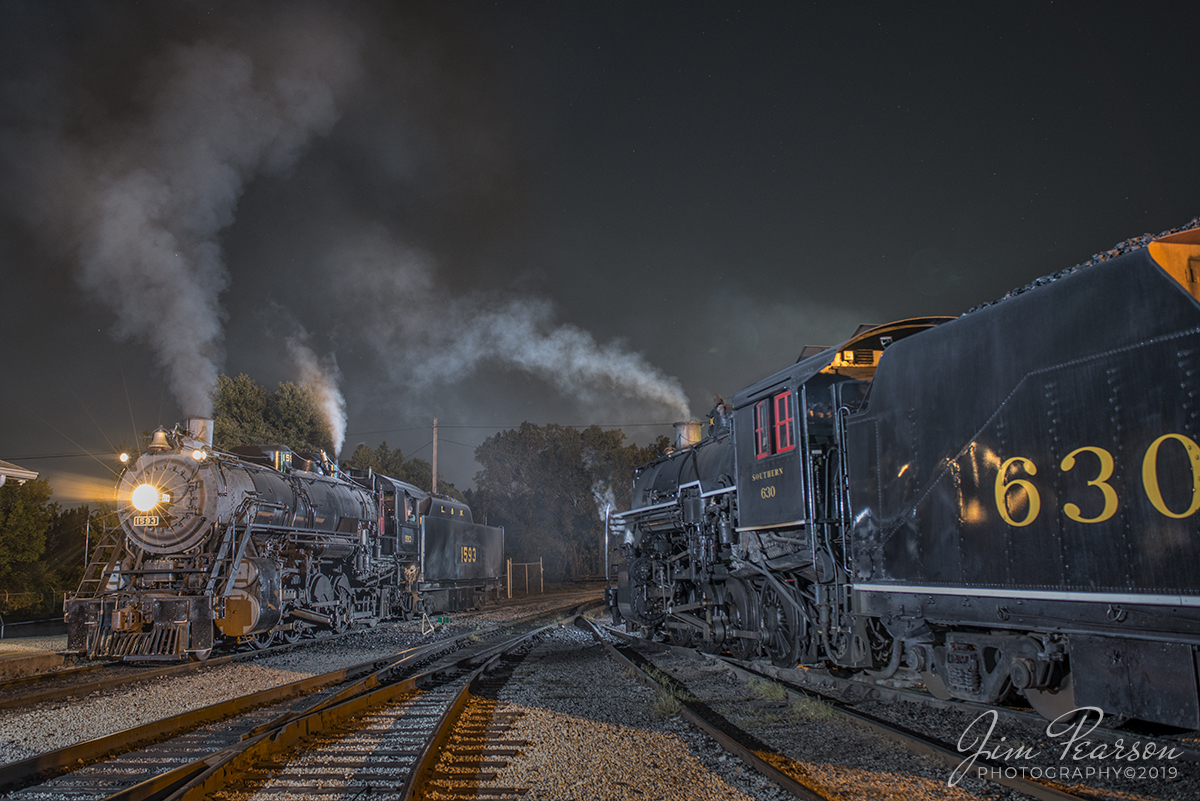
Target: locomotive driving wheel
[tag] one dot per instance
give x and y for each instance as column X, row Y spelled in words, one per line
column 685, row 635
column 261, row 641
column 741, row 611
column 343, row 613
column 781, row 627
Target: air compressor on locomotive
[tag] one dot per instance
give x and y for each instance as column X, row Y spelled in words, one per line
column 1004, row 503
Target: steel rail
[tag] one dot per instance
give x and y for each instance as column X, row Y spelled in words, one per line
column 854, row 691
column 59, row 693
column 420, row 778
column 50, row 675
column 918, row 743
column 43, row 766
column 775, row 766
column 28, row 771
column 911, row 740
column 210, row 774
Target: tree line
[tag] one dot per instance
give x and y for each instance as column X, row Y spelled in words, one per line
column 549, row 486
column 42, row 547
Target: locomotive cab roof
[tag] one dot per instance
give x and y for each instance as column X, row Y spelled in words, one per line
column 857, row 357
column 437, row 506
column 389, row 484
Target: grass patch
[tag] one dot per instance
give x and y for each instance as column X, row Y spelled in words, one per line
column 767, row 690
column 665, row 705
column 810, row 709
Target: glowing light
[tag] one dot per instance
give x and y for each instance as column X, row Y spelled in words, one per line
column 145, row 497
column 166, row 497
column 124, row 457
column 199, row 455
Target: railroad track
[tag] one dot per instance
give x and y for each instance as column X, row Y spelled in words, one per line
column 60, row 685
column 194, row 750
column 852, row 691
column 783, row 770
column 383, row 742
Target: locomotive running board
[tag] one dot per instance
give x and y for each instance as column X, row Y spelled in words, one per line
column 1143, row 599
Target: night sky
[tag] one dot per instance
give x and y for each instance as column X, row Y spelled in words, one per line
column 552, row 211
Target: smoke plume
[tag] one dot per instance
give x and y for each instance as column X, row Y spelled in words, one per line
column 444, row 338
column 606, row 501
column 358, row 118
column 152, row 188
column 323, row 379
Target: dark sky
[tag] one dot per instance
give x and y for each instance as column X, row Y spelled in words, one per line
column 553, row 212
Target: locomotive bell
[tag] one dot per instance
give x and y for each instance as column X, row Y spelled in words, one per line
column 158, row 442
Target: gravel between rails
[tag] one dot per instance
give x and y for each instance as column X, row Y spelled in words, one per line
column 28, row 731
column 1107, row 780
column 592, row 734
column 849, row 761
column 55, row 642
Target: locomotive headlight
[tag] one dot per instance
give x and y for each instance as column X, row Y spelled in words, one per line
column 145, row 497
column 199, row 455
column 124, row 457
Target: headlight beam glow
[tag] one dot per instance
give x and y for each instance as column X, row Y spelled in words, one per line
column 145, row 497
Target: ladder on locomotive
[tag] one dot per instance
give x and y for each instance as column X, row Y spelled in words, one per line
column 104, row 558
column 232, row 548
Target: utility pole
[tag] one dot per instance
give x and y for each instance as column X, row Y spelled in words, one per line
column 435, row 456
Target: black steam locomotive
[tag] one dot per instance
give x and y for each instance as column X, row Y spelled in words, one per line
column 263, row 543
column 1005, row 502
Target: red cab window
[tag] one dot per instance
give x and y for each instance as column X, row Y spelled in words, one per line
column 785, row 429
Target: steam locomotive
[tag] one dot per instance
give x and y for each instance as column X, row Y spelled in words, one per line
column 262, row 543
column 1004, row 503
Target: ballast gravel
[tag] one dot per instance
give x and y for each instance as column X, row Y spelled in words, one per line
column 28, row 731
column 592, row 734
column 842, row 758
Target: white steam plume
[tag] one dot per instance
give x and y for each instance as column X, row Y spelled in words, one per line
column 322, row 378
column 428, row 337
column 602, row 493
column 148, row 206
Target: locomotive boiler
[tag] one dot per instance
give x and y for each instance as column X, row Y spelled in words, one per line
column 262, row 543
column 1004, row 503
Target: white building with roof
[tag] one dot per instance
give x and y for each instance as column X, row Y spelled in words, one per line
column 8, row 470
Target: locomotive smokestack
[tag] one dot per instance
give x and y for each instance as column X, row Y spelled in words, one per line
column 687, row 433
column 201, row 428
